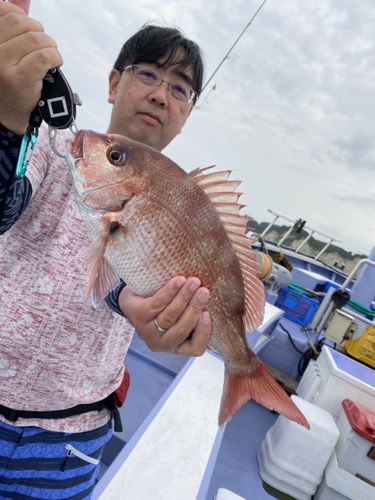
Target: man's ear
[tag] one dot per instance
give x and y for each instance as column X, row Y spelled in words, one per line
column 113, row 80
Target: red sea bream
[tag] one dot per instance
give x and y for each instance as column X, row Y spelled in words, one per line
column 149, row 221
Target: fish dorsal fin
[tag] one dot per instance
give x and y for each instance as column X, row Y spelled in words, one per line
column 225, row 200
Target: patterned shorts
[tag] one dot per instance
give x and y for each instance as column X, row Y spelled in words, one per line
column 37, row 464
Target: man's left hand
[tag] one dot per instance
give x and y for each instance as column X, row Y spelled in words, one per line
column 179, row 310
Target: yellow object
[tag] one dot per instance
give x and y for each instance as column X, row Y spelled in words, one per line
column 265, row 265
column 363, row 348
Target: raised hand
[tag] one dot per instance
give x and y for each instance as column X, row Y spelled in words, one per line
column 24, row 4
column 26, row 54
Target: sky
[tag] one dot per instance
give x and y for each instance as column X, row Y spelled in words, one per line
column 292, row 115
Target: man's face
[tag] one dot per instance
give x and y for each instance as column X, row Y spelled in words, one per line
column 148, row 115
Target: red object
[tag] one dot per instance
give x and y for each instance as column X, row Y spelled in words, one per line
column 361, row 420
column 120, row 393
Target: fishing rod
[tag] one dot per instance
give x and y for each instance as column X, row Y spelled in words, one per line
column 235, row 43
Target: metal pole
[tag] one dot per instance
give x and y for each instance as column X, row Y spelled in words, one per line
column 304, row 241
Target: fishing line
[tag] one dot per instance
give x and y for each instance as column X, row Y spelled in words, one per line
column 235, row 43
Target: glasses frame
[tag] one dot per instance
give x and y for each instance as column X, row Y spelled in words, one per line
column 160, row 80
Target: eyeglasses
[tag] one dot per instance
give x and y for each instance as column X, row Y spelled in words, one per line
column 151, row 79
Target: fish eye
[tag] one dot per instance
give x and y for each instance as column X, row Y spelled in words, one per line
column 116, row 157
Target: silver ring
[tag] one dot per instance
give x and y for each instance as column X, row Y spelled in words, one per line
column 162, row 330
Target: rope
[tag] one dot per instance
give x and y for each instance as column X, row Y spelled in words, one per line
column 265, row 266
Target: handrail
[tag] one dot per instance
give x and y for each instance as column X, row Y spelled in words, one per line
column 324, row 312
column 355, row 269
column 294, row 221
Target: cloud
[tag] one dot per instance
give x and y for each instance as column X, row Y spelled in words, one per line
column 358, row 203
column 293, row 110
column 358, row 150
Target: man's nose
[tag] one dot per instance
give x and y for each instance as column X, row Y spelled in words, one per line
column 160, row 93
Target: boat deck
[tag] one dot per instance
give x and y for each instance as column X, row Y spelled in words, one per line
column 171, row 446
column 236, row 468
column 227, row 461
column 165, row 438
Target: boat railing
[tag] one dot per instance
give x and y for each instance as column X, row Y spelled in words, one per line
column 298, row 225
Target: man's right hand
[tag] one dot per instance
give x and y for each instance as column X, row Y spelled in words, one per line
column 26, row 54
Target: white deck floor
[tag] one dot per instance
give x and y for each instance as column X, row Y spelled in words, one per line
column 169, row 459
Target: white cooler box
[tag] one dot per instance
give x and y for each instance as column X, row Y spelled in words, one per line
column 292, row 458
column 335, row 377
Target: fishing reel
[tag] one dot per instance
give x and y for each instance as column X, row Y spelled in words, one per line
column 274, row 276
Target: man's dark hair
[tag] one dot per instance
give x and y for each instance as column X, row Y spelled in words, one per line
column 152, row 43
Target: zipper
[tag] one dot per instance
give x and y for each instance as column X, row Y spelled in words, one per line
column 73, row 451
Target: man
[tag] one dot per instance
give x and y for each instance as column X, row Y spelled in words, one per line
column 58, row 362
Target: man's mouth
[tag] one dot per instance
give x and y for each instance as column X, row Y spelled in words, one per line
column 150, row 117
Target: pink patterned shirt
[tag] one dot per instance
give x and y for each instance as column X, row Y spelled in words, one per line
column 54, row 354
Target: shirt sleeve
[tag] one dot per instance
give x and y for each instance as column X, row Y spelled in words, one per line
column 113, row 296
column 15, row 193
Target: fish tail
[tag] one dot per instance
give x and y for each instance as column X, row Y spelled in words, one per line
column 263, row 388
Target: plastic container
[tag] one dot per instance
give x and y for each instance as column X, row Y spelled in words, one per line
column 304, row 451
column 310, row 383
column 297, row 307
column 332, row 284
column 363, row 348
column 266, row 472
column 356, row 441
column 293, row 458
column 341, row 485
column 276, row 468
column 343, row 378
column 325, row 492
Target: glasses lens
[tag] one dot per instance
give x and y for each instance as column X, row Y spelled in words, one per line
column 180, row 93
column 149, row 78
column 145, row 76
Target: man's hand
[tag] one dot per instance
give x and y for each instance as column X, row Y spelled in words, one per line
column 179, row 310
column 24, row 4
column 26, row 54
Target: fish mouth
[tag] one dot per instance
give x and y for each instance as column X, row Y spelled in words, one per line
column 74, row 149
column 86, row 195
column 70, row 159
column 77, row 144
column 69, row 143
column 73, row 153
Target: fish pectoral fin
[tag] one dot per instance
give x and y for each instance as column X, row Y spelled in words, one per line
column 101, row 278
column 106, row 281
column 263, row 388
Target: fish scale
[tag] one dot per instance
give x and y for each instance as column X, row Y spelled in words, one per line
column 156, row 251
column 149, row 221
